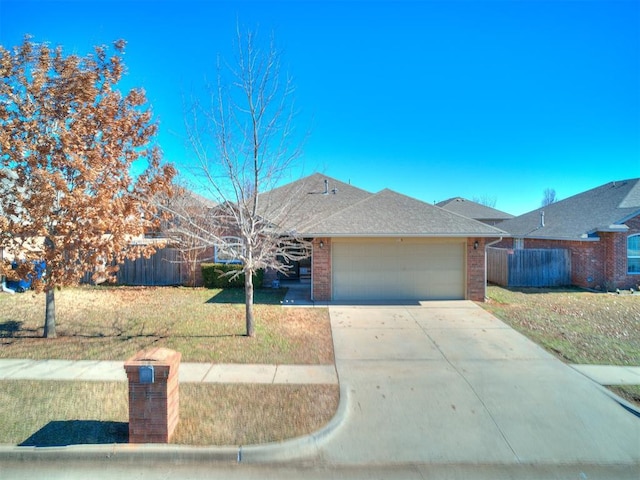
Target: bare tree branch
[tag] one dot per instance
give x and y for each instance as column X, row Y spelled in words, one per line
column 243, row 142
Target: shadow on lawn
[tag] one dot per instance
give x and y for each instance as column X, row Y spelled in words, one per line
column 261, row 296
column 11, row 328
column 78, row 432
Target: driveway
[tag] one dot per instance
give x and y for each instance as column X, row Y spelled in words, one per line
column 447, row 382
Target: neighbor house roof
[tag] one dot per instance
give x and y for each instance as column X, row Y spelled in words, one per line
column 473, row 210
column 579, row 217
column 324, row 206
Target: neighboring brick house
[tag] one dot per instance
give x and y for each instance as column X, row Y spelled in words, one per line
column 600, row 228
column 382, row 246
column 474, row 210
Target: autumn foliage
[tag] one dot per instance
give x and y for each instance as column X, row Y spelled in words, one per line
column 70, row 142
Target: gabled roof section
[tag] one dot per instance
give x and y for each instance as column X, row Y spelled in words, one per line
column 388, row 213
column 474, row 210
column 298, row 205
column 603, row 208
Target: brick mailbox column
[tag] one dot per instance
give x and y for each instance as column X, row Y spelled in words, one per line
column 153, row 395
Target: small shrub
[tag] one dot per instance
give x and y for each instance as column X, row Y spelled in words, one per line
column 213, row 275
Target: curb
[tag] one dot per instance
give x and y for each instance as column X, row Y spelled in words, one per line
column 304, row 448
column 301, row 448
column 630, row 407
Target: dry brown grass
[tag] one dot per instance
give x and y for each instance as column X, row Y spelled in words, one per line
column 54, row 413
column 204, row 325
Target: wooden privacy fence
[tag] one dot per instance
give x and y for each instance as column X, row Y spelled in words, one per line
column 529, row 267
column 164, row 267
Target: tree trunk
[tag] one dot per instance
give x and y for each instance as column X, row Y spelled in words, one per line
column 50, row 314
column 248, row 292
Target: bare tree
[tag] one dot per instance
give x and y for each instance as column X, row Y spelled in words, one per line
column 548, row 197
column 486, row 200
column 189, row 224
column 68, row 138
column 243, row 141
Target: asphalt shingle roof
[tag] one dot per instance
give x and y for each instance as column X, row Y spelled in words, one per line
column 474, row 210
column 324, row 206
column 298, row 205
column 391, row 213
column 603, row 208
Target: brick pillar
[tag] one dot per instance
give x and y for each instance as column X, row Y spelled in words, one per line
column 321, row 269
column 153, row 398
column 475, row 270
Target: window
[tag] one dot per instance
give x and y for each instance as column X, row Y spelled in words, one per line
column 518, row 243
column 230, row 251
column 633, row 254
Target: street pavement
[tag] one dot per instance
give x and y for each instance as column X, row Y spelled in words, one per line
column 432, row 390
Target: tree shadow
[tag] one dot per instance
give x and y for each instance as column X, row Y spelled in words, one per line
column 261, row 296
column 12, row 328
column 78, row 432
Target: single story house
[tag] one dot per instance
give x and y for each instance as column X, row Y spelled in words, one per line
column 381, row 246
column 599, row 227
column 477, row 211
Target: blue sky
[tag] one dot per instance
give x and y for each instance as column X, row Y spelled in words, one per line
column 433, row 99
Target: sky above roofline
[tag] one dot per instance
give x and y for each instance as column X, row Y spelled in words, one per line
column 434, row 99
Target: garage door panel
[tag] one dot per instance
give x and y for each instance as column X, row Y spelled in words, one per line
column 393, row 270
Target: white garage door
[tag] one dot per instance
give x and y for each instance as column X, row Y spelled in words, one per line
column 394, row 269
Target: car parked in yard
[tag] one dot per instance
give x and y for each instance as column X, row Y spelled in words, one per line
column 23, row 284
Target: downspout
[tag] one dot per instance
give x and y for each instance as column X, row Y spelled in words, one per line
column 487, row 245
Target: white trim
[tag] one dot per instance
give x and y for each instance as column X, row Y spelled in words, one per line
column 408, row 235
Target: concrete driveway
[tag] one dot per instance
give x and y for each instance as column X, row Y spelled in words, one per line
column 447, row 382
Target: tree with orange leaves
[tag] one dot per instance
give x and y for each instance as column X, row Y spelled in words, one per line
column 68, row 140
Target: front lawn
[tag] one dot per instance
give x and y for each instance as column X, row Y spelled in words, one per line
column 113, row 323
column 577, row 325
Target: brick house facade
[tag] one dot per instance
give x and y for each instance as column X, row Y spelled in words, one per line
column 599, row 262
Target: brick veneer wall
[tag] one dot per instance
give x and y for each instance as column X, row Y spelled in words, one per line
column 321, row 269
column 153, row 407
column 594, row 264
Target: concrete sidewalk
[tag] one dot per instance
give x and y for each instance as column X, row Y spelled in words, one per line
column 88, row 370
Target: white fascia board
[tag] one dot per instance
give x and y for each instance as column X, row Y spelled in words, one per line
column 407, row 235
column 613, row 228
column 564, row 239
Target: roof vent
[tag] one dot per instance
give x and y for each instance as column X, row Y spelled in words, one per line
column 541, row 218
column 326, row 187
